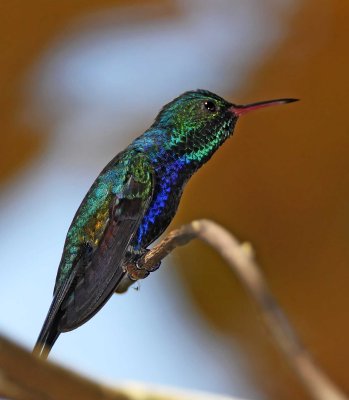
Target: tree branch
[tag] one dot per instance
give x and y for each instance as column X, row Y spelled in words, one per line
column 240, row 259
column 26, row 377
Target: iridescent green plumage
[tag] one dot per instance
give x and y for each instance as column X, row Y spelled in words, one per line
column 131, row 203
column 93, row 215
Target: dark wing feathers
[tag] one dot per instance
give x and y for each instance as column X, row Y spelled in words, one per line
column 91, row 283
column 104, row 272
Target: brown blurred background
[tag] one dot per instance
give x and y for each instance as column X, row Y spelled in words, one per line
column 282, row 182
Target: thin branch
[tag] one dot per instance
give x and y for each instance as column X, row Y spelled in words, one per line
column 240, row 259
column 24, row 376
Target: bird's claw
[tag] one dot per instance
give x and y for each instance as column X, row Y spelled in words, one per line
column 134, row 272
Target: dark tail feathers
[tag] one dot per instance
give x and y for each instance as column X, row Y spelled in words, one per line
column 49, row 332
column 46, row 341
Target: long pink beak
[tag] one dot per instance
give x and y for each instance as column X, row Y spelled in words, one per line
column 243, row 109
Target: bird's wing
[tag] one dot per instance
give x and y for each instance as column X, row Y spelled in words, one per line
column 99, row 279
column 95, row 276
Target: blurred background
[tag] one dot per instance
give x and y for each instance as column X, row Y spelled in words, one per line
column 79, row 80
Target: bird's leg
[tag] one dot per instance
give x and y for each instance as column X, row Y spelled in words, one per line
column 133, row 271
column 153, row 268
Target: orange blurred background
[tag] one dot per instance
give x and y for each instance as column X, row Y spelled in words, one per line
column 281, row 182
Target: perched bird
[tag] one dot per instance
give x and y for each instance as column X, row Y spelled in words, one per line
column 131, row 203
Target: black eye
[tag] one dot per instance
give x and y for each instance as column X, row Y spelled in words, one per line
column 210, row 106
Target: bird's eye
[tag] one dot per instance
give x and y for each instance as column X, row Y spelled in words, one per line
column 210, row 106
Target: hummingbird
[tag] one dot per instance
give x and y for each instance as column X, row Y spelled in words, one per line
column 131, row 203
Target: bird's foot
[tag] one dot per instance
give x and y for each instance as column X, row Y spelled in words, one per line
column 148, row 269
column 138, row 272
column 134, row 272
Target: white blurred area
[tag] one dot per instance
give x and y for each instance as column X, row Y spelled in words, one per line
column 99, row 85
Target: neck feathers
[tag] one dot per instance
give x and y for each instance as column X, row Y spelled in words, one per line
column 190, row 147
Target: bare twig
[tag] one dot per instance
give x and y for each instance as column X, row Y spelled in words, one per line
column 23, row 376
column 240, row 259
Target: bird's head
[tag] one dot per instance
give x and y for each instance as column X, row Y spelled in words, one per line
column 198, row 122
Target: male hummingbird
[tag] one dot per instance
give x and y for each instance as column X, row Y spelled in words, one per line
column 131, row 203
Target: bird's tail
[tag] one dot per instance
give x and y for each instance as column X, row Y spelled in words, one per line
column 50, row 332
column 45, row 342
